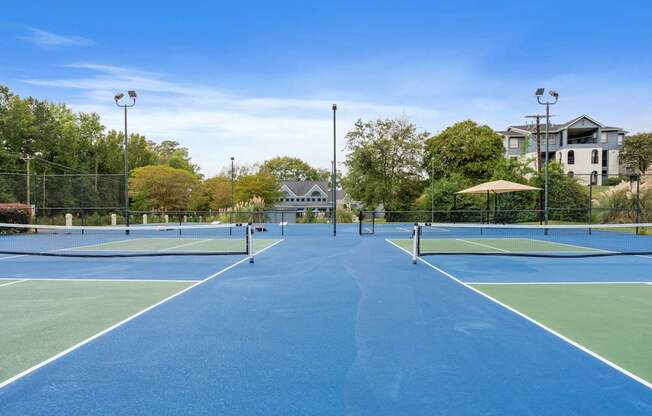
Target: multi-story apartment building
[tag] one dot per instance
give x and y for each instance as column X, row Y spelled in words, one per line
column 588, row 149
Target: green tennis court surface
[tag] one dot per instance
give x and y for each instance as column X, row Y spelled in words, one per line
column 491, row 245
column 42, row 318
column 178, row 244
column 612, row 320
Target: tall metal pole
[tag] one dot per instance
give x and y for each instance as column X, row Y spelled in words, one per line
column 432, row 189
column 132, row 94
column 29, row 190
column 232, row 197
column 545, row 174
column 126, row 174
column 232, row 182
column 555, row 96
column 334, row 185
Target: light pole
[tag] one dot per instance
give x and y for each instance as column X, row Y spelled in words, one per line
column 118, row 97
column 232, row 192
column 432, row 189
column 555, row 95
column 334, row 179
column 232, row 181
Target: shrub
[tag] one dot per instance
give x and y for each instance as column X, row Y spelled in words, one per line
column 15, row 214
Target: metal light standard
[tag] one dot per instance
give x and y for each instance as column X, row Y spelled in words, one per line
column 334, row 179
column 118, row 97
column 555, row 95
column 232, row 192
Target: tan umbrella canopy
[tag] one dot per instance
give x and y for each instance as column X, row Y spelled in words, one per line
column 498, row 187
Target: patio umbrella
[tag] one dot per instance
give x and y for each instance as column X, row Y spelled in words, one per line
column 497, row 187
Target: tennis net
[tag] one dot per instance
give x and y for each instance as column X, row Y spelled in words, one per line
column 555, row 241
column 120, row 241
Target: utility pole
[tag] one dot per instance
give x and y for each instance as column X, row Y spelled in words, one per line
column 334, row 190
column 28, row 191
column 538, row 118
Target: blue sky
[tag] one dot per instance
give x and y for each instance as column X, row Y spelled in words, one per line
column 257, row 79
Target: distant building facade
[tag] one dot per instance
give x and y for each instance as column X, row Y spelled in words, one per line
column 587, row 149
column 297, row 197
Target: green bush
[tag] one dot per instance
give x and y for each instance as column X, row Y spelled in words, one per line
column 613, row 181
column 15, row 214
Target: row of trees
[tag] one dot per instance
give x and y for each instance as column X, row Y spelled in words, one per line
column 391, row 163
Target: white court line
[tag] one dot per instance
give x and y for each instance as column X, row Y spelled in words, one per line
column 535, row 322
column 99, row 279
column 12, row 283
column 560, row 283
column 483, row 245
column 567, row 245
column 186, row 244
column 124, row 321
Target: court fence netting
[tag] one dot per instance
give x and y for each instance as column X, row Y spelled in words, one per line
column 518, row 240
column 155, row 240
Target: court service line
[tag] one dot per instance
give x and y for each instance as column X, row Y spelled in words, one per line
column 483, row 245
column 586, row 248
column 535, row 322
column 187, row 244
column 12, row 283
column 561, row 283
column 124, row 321
column 100, row 279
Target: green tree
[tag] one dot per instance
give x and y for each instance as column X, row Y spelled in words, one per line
column 262, row 185
column 443, row 194
column 384, row 162
column 162, row 188
column 286, row 168
column 567, row 199
column 637, row 152
column 465, row 147
column 172, row 154
column 218, row 191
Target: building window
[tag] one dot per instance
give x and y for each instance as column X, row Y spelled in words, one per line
column 594, row 178
column 621, row 136
column 571, row 174
column 603, row 137
column 513, row 143
column 594, row 157
column 571, row 157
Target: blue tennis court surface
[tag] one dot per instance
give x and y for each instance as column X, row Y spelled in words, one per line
column 329, row 326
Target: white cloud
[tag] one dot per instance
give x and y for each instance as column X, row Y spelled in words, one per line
column 215, row 124
column 46, row 39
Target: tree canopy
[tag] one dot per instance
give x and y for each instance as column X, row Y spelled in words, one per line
column 637, row 152
column 466, row 148
column 285, row 168
column 385, row 163
column 261, row 185
column 161, row 187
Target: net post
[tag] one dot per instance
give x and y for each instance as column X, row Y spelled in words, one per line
column 373, row 221
column 250, row 245
column 415, row 243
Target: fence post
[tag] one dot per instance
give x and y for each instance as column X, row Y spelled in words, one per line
column 590, row 210
column 638, row 201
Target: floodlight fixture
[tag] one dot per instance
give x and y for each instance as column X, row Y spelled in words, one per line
column 554, row 94
column 132, row 94
column 119, row 96
column 539, row 92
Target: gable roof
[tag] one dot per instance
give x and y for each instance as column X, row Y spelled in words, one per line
column 301, row 188
column 530, row 128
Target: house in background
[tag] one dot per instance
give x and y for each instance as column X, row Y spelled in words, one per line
column 587, row 149
column 299, row 196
